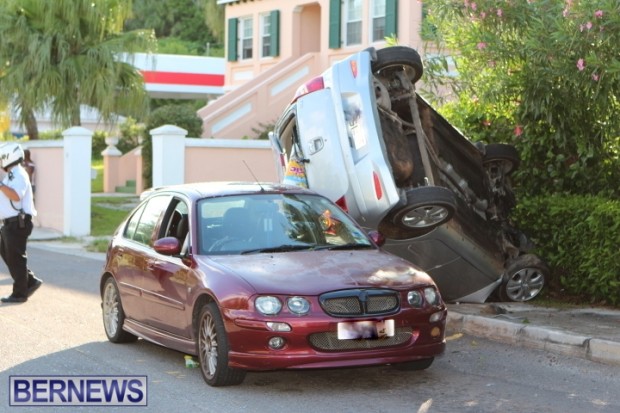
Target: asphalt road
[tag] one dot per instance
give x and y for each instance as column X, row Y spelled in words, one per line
column 59, row 332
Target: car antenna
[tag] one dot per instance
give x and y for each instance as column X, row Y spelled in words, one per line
column 254, row 176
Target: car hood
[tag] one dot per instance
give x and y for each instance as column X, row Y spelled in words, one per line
column 316, row 272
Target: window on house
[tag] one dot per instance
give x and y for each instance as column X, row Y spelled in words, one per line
column 246, row 29
column 353, row 22
column 265, row 35
column 377, row 15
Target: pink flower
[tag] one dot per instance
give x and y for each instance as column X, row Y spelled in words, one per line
column 598, row 14
column 595, row 77
column 565, row 12
column 581, row 65
column 473, row 6
column 481, row 45
column 518, row 130
column 581, row 27
column 483, row 15
column 589, row 25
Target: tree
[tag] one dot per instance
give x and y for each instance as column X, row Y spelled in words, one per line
column 182, row 20
column 543, row 75
column 65, row 53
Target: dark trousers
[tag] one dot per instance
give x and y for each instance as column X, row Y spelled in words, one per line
column 13, row 241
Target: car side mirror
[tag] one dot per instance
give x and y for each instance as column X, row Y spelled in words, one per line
column 377, row 237
column 167, row 246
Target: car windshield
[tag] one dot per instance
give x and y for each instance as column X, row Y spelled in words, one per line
column 268, row 222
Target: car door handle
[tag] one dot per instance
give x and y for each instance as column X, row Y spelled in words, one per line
column 316, row 145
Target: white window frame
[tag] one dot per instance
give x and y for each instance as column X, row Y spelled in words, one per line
column 348, row 19
column 265, row 34
column 377, row 11
column 246, row 37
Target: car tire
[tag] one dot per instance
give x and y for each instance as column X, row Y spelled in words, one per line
column 524, row 278
column 427, row 208
column 502, row 153
column 414, row 365
column 399, row 56
column 212, row 348
column 113, row 314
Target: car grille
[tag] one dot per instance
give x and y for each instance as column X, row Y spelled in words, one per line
column 329, row 341
column 360, row 302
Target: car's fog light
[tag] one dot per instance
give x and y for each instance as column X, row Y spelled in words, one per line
column 435, row 332
column 278, row 326
column 276, row 343
column 436, row 317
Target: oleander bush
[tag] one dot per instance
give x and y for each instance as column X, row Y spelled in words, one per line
column 579, row 237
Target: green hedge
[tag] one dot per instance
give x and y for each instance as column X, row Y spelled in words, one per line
column 579, row 237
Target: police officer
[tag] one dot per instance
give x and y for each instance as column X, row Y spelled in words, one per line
column 16, row 212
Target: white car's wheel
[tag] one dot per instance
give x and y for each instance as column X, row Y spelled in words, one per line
column 398, row 58
column 524, row 279
column 427, row 208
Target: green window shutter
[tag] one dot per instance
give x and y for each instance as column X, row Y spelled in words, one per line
column 335, row 19
column 275, row 33
column 232, row 40
column 391, row 18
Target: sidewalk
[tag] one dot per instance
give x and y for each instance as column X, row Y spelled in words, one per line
column 589, row 333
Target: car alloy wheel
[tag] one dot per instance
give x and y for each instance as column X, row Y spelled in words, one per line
column 212, row 348
column 427, row 208
column 525, row 278
column 113, row 314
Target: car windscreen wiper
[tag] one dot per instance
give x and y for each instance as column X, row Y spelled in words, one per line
column 351, row 246
column 280, row 248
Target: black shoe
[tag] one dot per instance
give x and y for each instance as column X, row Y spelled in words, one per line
column 13, row 299
column 34, row 287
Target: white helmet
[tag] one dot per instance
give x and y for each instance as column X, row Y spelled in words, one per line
column 10, row 153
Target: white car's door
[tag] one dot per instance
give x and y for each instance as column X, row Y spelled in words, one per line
column 320, row 134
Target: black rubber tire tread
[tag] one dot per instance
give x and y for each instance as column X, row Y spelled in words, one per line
column 224, row 375
column 424, row 196
column 502, row 151
column 399, row 55
column 121, row 335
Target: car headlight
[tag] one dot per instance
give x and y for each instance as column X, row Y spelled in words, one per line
column 298, row 305
column 431, row 296
column 414, row 298
column 268, row 305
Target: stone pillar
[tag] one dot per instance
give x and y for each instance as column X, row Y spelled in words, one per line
column 111, row 157
column 168, row 155
column 77, row 181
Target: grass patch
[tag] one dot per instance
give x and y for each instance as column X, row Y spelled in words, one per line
column 108, row 212
column 96, row 184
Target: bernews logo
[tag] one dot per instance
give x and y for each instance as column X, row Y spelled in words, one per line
column 78, row 391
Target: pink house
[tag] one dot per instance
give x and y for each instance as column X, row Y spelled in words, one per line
column 273, row 46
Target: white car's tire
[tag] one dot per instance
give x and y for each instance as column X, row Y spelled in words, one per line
column 427, row 208
column 399, row 57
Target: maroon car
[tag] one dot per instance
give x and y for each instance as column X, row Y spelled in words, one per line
column 255, row 277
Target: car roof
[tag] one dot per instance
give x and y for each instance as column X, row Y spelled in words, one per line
column 225, row 188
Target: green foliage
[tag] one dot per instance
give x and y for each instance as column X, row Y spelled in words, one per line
column 579, row 237
column 183, row 116
column 131, row 133
column 98, row 144
column 542, row 75
column 262, row 132
column 64, row 53
column 180, row 25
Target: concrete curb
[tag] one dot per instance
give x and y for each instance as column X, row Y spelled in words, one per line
column 543, row 338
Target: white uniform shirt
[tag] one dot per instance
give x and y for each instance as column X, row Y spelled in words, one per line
column 17, row 179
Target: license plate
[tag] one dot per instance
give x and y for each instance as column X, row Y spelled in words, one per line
column 365, row 329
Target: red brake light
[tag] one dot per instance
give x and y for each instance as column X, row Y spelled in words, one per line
column 342, row 203
column 353, row 64
column 309, row 87
column 378, row 190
